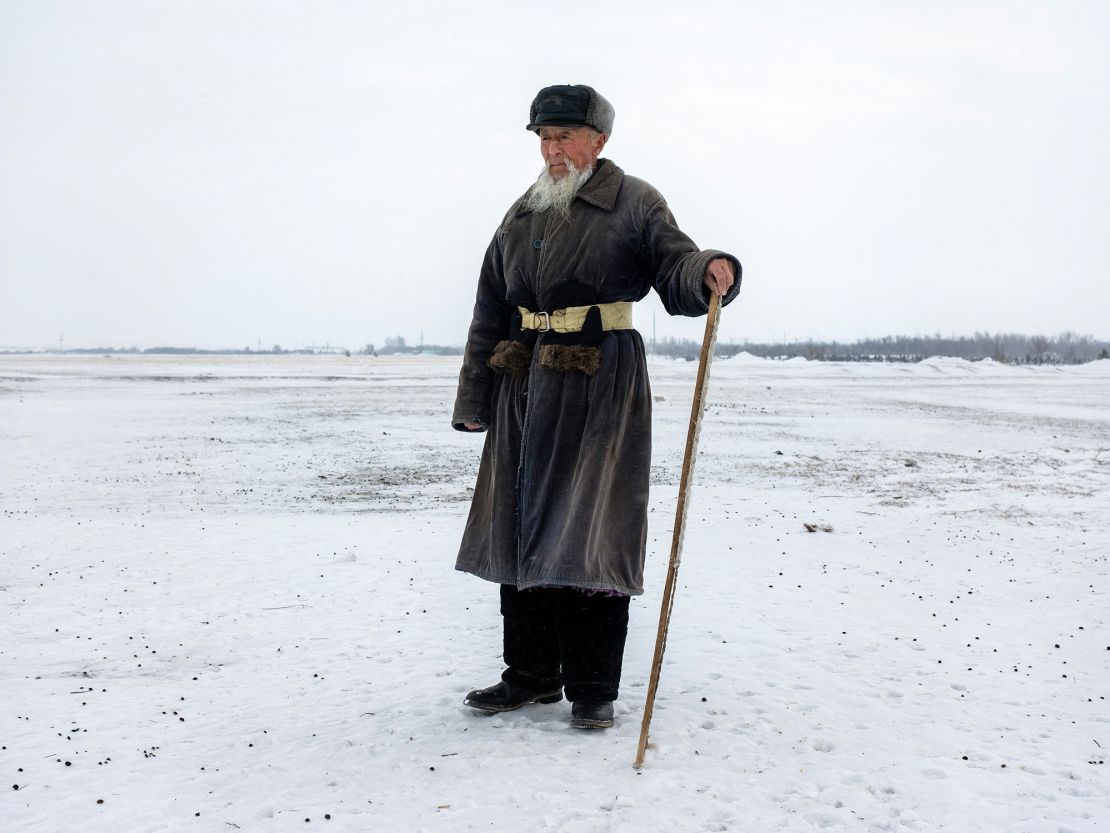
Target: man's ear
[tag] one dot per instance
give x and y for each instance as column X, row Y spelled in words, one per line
column 602, row 138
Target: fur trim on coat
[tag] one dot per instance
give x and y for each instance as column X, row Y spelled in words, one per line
column 571, row 357
column 510, row 357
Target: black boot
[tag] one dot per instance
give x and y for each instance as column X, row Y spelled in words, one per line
column 591, row 714
column 507, row 696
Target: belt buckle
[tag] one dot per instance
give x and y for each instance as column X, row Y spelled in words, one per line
column 546, row 322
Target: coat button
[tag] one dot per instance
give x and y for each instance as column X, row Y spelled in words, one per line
column 536, row 244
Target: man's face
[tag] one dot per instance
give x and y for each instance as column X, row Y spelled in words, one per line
column 580, row 145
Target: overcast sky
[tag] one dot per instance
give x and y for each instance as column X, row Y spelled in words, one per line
column 220, row 174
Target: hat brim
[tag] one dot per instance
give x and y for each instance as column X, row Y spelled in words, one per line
column 536, row 125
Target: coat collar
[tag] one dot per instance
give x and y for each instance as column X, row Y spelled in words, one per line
column 601, row 188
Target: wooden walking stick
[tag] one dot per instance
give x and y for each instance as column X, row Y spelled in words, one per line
column 684, row 485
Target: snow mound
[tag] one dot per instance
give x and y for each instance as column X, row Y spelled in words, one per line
column 1099, row 367
column 797, row 360
column 946, row 361
column 745, row 357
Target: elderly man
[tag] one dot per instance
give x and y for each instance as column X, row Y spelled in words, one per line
column 557, row 376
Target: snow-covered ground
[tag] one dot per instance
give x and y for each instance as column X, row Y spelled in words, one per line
column 229, row 604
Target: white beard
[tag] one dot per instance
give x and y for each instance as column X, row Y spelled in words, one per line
column 549, row 192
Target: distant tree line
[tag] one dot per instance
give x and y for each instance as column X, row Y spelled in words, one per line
column 198, row 351
column 396, row 345
column 1009, row 348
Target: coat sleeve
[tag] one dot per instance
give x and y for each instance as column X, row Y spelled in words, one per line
column 490, row 324
column 676, row 266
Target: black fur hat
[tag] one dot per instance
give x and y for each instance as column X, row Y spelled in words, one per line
column 571, row 105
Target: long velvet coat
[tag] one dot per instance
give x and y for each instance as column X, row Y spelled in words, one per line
column 562, row 492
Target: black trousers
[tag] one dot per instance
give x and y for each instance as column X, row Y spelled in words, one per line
column 563, row 636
